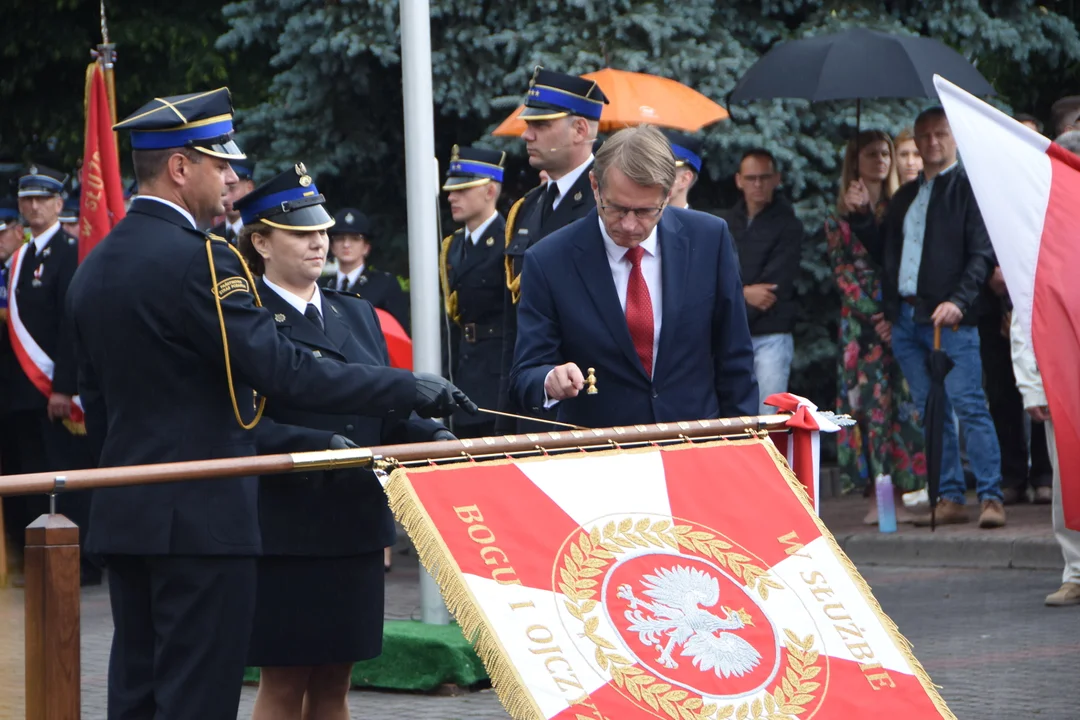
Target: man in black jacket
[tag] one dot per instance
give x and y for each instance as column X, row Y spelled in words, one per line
column 936, row 256
column 768, row 238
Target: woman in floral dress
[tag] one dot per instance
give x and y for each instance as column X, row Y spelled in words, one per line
column 885, row 439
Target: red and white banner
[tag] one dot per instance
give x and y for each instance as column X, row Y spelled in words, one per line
column 691, row 581
column 101, row 204
column 34, row 361
column 1028, row 190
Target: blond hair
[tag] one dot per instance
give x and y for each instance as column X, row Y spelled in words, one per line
column 851, row 166
column 642, row 153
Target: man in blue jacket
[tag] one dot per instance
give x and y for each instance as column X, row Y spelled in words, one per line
column 649, row 297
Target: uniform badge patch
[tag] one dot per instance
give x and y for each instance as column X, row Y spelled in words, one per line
column 523, row 231
column 490, row 242
column 279, row 317
column 231, row 285
column 577, row 196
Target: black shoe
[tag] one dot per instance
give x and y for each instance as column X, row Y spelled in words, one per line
column 1013, row 496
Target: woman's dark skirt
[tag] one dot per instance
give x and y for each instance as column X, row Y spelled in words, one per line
column 318, row 610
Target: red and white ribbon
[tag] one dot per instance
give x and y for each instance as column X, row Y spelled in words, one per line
column 803, row 447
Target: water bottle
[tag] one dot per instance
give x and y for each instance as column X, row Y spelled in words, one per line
column 886, row 504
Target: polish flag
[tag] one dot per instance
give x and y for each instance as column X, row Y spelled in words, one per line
column 679, row 583
column 1028, row 190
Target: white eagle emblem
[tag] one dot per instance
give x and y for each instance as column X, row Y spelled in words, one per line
column 680, row 593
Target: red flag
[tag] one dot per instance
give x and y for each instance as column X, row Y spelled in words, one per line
column 1027, row 189
column 398, row 343
column 102, row 203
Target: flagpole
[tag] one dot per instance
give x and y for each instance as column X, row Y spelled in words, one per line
column 421, row 203
column 106, row 52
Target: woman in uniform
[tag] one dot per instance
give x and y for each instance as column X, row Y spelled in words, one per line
column 319, row 607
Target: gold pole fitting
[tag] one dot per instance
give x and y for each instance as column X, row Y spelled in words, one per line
column 333, row 459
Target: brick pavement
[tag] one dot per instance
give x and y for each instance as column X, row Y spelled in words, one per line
column 983, row 635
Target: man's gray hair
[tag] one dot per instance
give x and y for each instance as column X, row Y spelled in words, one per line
column 1070, row 141
column 642, row 153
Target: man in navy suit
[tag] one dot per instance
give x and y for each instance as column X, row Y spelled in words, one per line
column 649, row 297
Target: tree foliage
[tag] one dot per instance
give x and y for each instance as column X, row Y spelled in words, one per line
column 335, row 98
column 163, row 49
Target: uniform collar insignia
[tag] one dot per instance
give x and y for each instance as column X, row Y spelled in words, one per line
column 279, row 317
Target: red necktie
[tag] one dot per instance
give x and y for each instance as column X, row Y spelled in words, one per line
column 639, row 313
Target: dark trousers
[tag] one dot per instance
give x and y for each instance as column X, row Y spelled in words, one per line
column 1007, row 411
column 182, row 626
column 30, row 443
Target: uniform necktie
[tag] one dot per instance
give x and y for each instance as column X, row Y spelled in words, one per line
column 550, row 196
column 468, row 244
column 343, row 283
column 312, row 313
column 639, row 312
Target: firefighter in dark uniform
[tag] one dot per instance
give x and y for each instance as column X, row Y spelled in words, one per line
column 69, row 216
column 350, row 241
column 42, row 418
column 230, row 227
column 687, row 151
column 472, row 274
column 561, row 114
column 171, row 343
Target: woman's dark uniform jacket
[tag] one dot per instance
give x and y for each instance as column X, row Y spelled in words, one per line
column 473, row 288
column 341, row 512
column 153, row 379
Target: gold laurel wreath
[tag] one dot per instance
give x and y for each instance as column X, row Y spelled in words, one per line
column 592, row 553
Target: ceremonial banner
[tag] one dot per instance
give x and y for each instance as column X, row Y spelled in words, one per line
column 692, row 581
column 1028, row 191
column 101, row 205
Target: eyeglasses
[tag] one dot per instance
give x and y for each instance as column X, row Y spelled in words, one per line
column 619, row 212
column 757, row 179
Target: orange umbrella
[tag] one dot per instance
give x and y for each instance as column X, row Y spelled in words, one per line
column 637, row 98
column 398, row 343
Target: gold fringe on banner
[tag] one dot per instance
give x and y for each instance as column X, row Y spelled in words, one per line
column 436, row 557
column 902, row 643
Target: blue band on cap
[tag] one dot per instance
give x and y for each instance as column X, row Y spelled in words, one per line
column 561, row 98
column 691, row 158
column 40, row 182
column 250, row 213
column 180, row 137
column 476, row 168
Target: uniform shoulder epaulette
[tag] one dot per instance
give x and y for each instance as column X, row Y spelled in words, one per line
column 212, row 236
column 341, row 293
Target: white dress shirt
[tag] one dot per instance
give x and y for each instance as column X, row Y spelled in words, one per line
column 174, row 206
column 295, row 300
column 40, row 241
column 475, row 235
column 236, row 226
column 620, row 273
column 650, row 270
column 352, row 276
column 567, row 181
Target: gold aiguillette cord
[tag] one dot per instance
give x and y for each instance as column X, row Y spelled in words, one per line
column 532, row 419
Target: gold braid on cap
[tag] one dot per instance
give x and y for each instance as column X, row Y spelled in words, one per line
column 260, row 405
column 450, row 299
column 513, row 283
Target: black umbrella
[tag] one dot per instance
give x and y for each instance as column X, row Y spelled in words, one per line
column 939, row 364
column 856, row 64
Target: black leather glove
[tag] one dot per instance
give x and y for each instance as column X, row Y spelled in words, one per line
column 438, row 397
column 443, row 434
column 340, row 442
